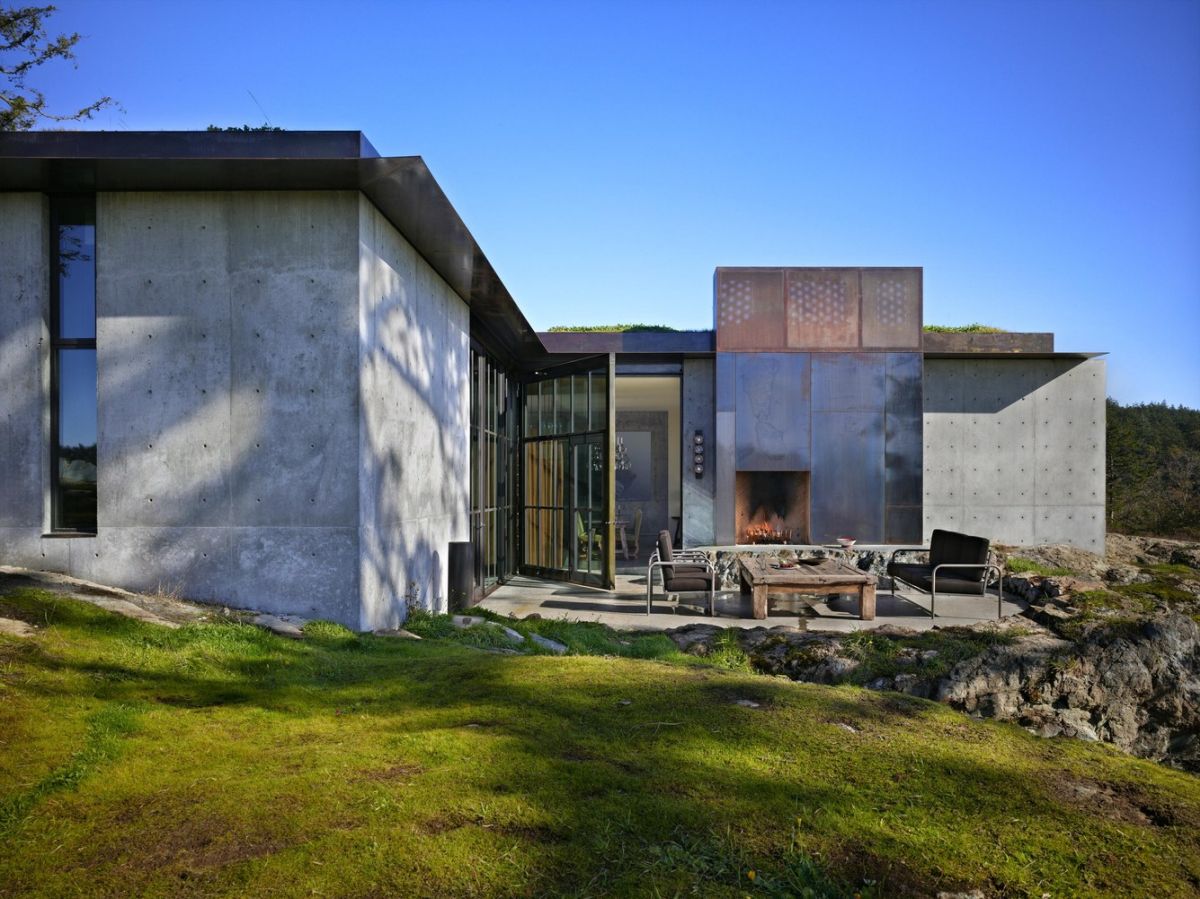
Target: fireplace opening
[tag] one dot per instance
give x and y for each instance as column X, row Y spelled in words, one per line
column 771, row 506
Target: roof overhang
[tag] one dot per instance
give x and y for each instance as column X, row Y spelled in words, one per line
column 402, row 188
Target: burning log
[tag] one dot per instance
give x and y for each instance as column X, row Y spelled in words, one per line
column 767, row 534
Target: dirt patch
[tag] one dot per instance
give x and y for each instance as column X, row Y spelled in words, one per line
column 536, row 833
column 577, row 754
column 857, row 865
column 1117, row 802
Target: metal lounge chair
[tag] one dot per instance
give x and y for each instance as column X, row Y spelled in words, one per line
column 686, row 571
column 958, row 563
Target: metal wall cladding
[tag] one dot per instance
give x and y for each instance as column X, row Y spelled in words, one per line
column 725, row 377
column 891, row 308
column 848, row 382
column 749, row 309
column 903, row 439
column 823, row 308
column 772, row 397
column 847, row 476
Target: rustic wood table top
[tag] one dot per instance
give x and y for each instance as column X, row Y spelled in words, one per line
column 825, row 572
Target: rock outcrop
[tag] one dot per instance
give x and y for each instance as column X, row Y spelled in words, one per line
column 1110, row 652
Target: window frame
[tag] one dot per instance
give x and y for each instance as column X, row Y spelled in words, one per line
column 57, row 343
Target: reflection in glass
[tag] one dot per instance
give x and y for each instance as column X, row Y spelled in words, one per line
column 76, row 254
column 75, row 500
column 599, row 405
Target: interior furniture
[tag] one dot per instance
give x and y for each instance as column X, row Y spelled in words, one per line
column 761, row 578
column 957, row 563
column 685, row 571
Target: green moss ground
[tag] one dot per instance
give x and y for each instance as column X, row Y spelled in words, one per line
column 218, row 759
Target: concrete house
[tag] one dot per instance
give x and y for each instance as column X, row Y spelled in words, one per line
column 276, row 370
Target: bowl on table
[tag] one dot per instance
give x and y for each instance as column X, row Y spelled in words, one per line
column 845, row 542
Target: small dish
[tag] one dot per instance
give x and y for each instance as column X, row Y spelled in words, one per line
column 846, row 542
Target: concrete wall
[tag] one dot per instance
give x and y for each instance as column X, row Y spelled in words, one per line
column 227, row 437
column 25, row 384
column 414, row 359
column 1014, row 449
column 697, row 414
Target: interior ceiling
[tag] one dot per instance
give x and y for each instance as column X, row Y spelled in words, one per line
column 637, row 392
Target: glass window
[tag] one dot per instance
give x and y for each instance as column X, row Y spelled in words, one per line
column 73, row 365
column 599, row 404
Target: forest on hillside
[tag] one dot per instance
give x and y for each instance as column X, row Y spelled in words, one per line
column 1154, row 470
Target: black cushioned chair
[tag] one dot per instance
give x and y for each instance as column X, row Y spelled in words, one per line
column 687, row 571
column 958, row 563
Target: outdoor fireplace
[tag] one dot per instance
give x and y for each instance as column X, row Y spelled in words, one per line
column 771, row 506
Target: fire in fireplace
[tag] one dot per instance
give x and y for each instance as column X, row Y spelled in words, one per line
column 771, row 506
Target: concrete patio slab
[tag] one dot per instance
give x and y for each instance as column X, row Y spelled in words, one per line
column 625, row 607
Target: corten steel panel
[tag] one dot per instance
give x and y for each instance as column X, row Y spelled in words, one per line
column 726, row 364
column 903, row 438
column 772, row 411
column 903, row 524
column 749, row 309
column 903, row 462
column 723, row 501
column 891, row 308
column 1008, row 342
column 822, row 308
column 848, row 382
column 847, row 476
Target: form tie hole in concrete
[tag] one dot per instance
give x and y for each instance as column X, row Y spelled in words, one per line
column 151, row 498
column 258, row 446
column 258, row 499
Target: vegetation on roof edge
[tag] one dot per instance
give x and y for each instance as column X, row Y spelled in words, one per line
column 608, row 329
column 973, row 328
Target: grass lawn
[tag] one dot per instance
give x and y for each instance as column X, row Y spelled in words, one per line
column 218, row 759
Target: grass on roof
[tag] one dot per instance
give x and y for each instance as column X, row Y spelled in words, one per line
column 609, row 329
column 220, row 760
column 973, row 328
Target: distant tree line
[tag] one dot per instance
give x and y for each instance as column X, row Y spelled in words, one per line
column 1154, row 470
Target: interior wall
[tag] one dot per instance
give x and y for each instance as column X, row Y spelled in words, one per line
column 636, row 393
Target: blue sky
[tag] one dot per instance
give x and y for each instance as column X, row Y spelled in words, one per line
column 1040, row 160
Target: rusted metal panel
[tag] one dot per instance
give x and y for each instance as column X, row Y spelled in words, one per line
column 848, row 382
column 772, row 411
column 847, row 482
column 954, row 342
column 822, row 308
column 749, row 310
column 891, row 308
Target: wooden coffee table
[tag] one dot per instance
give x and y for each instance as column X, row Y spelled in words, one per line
column 760, row 579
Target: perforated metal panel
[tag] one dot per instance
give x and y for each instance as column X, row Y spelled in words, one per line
column 750, row 309
column 822, row 308
column 891, row 308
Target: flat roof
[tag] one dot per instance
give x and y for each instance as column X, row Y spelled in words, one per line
column 402, row 187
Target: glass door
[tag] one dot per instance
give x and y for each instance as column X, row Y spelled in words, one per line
column 566, row 474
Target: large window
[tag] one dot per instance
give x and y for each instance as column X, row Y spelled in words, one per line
column 73, row 364
column 493, row 431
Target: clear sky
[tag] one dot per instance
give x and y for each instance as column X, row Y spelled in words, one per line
column 1040, row 160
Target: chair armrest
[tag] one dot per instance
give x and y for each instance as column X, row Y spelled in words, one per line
column 985, row 566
